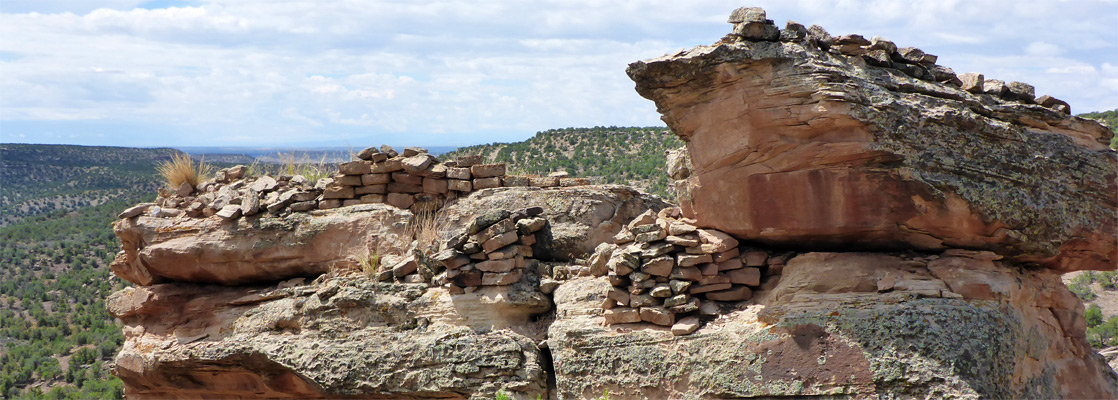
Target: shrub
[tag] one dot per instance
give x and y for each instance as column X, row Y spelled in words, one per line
column 1093, row 316
column 182, row 169
column 1105, row 334
column 1108, row 279
column 1081, row 286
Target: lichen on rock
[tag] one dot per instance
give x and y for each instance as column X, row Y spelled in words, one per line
column 854, row 221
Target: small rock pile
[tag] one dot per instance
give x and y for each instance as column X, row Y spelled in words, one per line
column 230, row 195
column 413, row 179
column 663, row 269
column 494, row 251
column 750, row 24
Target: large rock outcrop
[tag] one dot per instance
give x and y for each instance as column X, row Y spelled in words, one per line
column 233, row 308
column 337, row 337
column 804, row 138
column 897, row 232
column 261, row 248
column 860, row 325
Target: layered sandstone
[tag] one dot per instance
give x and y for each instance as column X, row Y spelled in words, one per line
column 861, row 325
column 336, row 337
column 796, row 137
column 261, row 249
column 275, row 306
column 855, row 221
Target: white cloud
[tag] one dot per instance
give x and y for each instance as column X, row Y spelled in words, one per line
column 1043, row 49
column 242, row 72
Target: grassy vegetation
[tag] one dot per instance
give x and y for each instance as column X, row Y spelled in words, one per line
column 1081, row 284
column 310, row 169
column 292, row 164
column 369, row 263
column 423, row 229
column 180, row 168
column 624, row 155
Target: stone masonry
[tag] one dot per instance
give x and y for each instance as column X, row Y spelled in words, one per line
column 495, row 250
column 413, row 180
column 666, row 271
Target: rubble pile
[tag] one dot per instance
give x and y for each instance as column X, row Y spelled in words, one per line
column 751, row 25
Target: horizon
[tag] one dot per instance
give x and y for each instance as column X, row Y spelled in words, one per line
column 210, row 73
column 238, row 149
column 256, row 152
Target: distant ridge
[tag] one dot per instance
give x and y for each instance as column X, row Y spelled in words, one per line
column 625, row 155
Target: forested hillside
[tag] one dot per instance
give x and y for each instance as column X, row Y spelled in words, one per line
column 57, row 203
column 39, row 179
column 624, row 155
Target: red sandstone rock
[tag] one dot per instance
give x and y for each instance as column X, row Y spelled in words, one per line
column 622, row 316
column 793, row 145
column 739, row 293
column 487, row 170
column 206, row 250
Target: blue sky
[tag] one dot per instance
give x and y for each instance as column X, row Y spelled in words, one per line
column 354, row 73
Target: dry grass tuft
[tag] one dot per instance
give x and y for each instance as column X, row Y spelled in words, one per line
column 369, row 263
column 182, row 169
column 309, row 169
column 255, row 169
column 423, row 229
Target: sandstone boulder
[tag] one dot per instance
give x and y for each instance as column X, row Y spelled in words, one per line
column 792, row 144
column 989, row 331
column 270, row 248
column 580, row 218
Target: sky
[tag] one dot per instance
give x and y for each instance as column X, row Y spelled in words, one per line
column 449, row 73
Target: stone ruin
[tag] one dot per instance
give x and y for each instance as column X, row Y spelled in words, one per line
column 495, row 250
column 853, row 220
column 664, row 269
column 412, row 180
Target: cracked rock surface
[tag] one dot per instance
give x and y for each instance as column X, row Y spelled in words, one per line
column 790, row 143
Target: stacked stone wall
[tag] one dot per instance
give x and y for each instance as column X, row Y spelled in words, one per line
column 412, row 180
column 667, row 271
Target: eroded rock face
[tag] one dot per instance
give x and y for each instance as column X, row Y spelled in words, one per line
column 957, row 325
column 579, row 218
column 336, row 337
column 255, row 249
column 799, row 143
column 793, row 144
